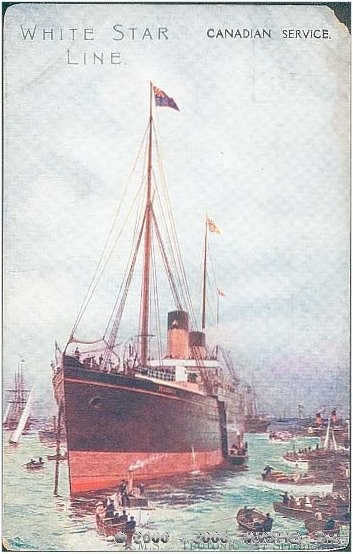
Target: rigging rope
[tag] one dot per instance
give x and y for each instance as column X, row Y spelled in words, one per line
column 138, row 219
column 115, row 327
column 166, row 265
column 174, row 238
column 92, row 288
column 156, row 303
column 180, row 294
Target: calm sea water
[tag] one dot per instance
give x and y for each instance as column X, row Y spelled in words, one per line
column 34, row 519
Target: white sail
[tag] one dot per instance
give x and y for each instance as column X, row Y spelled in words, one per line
column 327, row 438
column 334, row 440
column 16, row 435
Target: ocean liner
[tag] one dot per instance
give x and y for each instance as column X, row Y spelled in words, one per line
column 133, row 406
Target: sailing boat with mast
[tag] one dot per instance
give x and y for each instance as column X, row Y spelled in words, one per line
column 126, row 406
column 22, row 422
column 254, row 422
column 19, row 402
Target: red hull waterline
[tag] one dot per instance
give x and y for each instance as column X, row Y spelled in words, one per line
column 102, row 470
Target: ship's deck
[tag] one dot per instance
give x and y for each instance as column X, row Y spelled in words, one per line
column 193, row 387
column 174, row 372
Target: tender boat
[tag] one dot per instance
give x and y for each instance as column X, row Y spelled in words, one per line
column 291, row 511
column 327, row 506
column 140, row 508
column 298, row 512
column 296, row 457
column 290, row 478
column 238, row 459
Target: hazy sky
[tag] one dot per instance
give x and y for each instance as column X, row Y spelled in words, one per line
column 260, row 143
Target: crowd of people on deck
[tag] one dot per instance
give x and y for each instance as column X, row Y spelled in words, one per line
column 105, row 510
column 309, row 504
column 91, row 362
column 127, row 367
column 239, row 449
column 305, row 450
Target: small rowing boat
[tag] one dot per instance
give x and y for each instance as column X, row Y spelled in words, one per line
column 313, row 526
column 34, row 465
column 108, row 527
column 289, row 478
column 253, row 520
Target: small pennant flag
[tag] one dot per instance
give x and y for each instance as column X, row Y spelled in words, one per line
column 220, row 292
column 161, row 99
column 212, row 227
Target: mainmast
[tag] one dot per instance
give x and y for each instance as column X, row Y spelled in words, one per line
column 145, row 298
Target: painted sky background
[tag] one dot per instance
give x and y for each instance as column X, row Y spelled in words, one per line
column 261, row 143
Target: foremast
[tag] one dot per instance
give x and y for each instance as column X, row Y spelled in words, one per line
column 146, row 272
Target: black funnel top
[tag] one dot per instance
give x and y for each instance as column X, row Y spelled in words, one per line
column 178, row 320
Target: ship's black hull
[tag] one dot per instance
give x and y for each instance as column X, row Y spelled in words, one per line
column 116, row 423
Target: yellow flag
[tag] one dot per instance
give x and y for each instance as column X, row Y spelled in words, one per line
column 212, row 227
